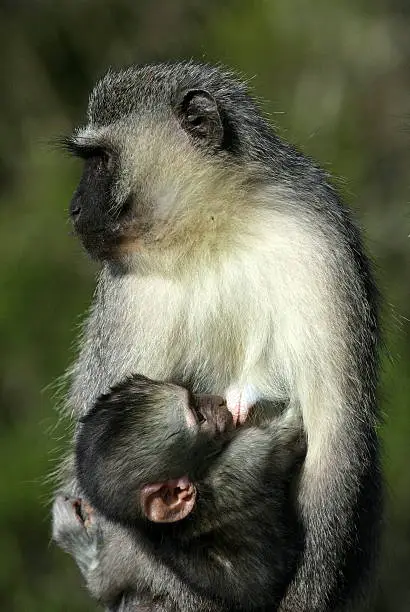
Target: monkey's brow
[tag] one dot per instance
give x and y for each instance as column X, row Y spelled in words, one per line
column 80, row 148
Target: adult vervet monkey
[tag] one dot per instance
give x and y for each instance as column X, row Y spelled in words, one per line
column 230, row 266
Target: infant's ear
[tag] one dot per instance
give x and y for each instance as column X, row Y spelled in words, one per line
column 168, row 502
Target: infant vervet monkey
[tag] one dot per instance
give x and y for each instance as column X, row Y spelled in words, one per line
column 212, row 502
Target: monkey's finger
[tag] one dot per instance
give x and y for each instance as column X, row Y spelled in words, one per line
column 233, row 403
column 239, row 400
column 243, row 413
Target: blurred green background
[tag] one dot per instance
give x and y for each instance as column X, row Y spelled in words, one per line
column 334, row 77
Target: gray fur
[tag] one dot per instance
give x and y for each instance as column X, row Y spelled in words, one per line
column 250, row 272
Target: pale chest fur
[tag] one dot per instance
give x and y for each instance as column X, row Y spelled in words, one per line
column 208, row 333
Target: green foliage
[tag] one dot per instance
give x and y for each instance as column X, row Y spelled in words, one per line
column 336, row 77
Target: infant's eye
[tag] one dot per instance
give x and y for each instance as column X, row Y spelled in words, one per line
column 195, row 406
column 194, row 416
column 200, row 417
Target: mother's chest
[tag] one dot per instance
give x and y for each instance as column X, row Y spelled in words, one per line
column 191, row 335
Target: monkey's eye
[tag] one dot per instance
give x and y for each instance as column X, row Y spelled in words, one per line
column 96, row 152
column 195, row 407
column 102, row 159
column 200, row 417
column 89, row 151
column 194, row 417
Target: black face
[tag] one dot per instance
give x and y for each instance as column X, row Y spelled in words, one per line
column 105, row 226
column 95, row 214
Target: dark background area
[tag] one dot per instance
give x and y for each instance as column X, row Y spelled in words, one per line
column 335, row 79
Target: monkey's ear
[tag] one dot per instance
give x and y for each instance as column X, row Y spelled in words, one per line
column 168, row 502
column 199, row 116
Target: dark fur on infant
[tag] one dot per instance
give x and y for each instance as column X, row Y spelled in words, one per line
column 212, row 502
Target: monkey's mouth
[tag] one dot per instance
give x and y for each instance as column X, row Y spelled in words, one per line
column 110, row 244
column 101, row 244
column 116, row 239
